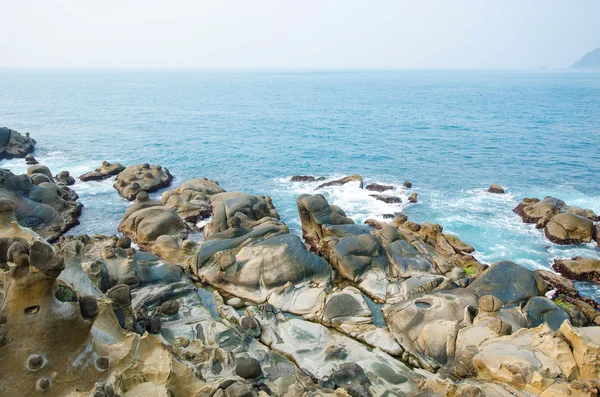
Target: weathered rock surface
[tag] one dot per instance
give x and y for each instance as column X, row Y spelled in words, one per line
column 507, row 281
column 191, row 200
column 342, row 181
column 14, row 145
column 495, row 188
column 568, row 228
column 44, row 206
column 578, row 268
column 387, row 199
column 142, row 177
column 106, row 170
column 65, row 178
column 146, row 225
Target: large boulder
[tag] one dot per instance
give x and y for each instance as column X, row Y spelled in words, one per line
column 192, row 199
column 376, row 187
column 568, row 228
column 148, row 224
column 42, row 205
column 541, row 310
column 106, row 170
column 540, row 212
column 14, row 145
column 578, row 268
column 141, row 177
column 507, row 281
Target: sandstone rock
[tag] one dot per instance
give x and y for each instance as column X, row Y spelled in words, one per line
column 141, row 177
column 342, row 181
column 13, row 144
column 561, row 284
column 30, row 160
column 65, row 177
column 39, row 169
column 376, row 187
column 427, row 326
column 192, row 199
column 495, row 188
column 541, row 310
column 539, row 212
column 506, row 281
column 413, row 197
column 106, row 170
column 578, row 268
column 148, row 224
column 568, row 228
column 47, row 208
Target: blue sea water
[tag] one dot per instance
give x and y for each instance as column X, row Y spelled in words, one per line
column 450, row 133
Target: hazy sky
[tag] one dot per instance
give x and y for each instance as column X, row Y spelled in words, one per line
column 374, row 34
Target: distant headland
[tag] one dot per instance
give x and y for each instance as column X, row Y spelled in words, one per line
column 591, row 60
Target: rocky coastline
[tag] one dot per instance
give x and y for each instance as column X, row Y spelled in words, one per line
column 205, row 292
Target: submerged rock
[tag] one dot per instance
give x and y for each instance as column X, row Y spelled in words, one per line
column 14, row 145
column 387, row 199
column 307, row 178
column 376, row 187
column 343, row 181
column 142, row 177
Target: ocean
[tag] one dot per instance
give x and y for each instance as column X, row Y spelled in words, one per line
column 451, row 133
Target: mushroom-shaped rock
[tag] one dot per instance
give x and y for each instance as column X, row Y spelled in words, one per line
column 141, row 177
column 30, row 160
column 495, row 188
column 568, row 228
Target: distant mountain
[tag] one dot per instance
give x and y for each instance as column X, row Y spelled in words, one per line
column 591, row 60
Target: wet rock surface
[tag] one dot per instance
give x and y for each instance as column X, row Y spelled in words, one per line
column 106, row 170
column 15, row 145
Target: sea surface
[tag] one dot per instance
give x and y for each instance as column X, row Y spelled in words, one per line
column 451, row 134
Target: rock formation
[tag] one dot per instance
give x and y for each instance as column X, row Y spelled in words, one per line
column 14, row 145
column 141, row 178
column 106, row 170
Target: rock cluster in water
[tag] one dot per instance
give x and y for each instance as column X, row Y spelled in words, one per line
column 207, row 293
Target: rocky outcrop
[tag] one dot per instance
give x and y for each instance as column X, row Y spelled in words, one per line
column 142, row 177
column 191, row 200
column 106, row 170
column 532, row 210
column 568, row 228
column 343, row 181
column 146, row 225
column 38, row 203
column 578, row 268
column 15, row 145
column 506, row 281
column 413, row 197
column 65, row 178
column 495, row 188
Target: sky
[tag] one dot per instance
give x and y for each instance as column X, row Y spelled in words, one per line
column 303, row 34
